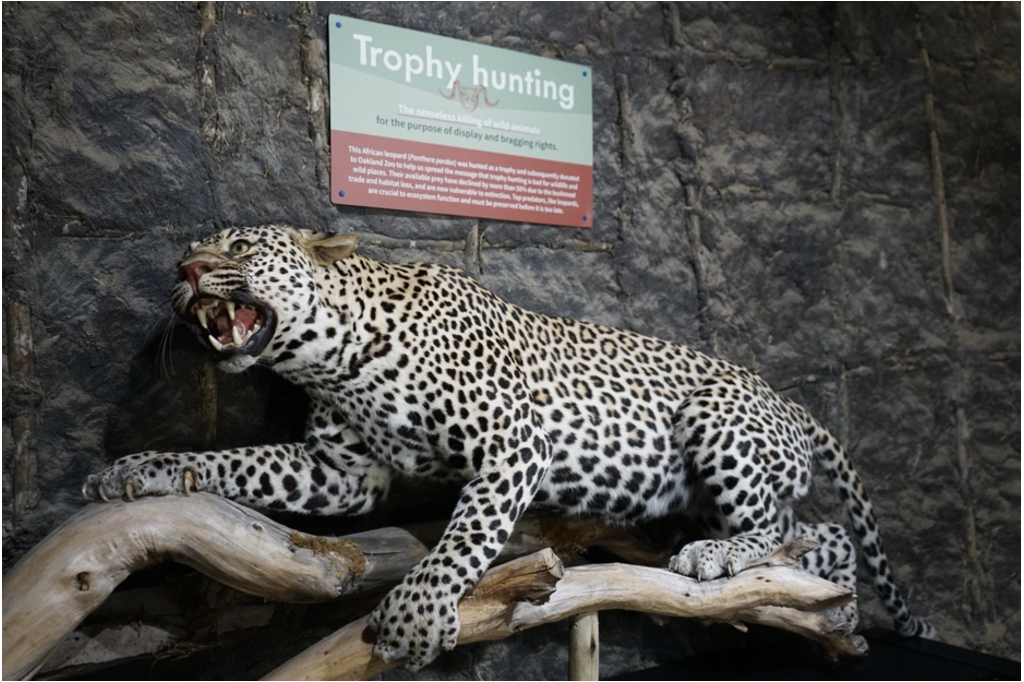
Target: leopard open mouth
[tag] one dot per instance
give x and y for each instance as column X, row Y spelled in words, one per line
column 233, row 326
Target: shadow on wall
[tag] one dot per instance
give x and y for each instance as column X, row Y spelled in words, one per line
column 177, row 400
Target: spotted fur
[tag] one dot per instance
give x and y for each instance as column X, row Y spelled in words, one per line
column 417, row 370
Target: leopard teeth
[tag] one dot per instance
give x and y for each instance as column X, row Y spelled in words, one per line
column 217, row 345
column 230, row 305
column 235, row 336
column 201, row 315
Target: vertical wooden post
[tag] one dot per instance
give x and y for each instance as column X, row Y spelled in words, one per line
column 21, row 366
column 584, row 654
column 207, row 403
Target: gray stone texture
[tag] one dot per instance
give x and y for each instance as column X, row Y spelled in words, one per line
column 765, row 190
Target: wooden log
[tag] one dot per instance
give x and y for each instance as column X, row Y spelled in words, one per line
column 348, row 653
column 823, row 627
column 51, row 590
column 68, row 575
column 65, row 577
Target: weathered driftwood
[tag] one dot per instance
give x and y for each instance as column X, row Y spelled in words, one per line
column 50, row 591
column 536, row 590
column 64, row 578
column 193, row 612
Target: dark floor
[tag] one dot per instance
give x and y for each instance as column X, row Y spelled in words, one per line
column 890, row 657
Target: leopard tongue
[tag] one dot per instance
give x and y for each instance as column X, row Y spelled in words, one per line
column 246, row 317
column 233, row 328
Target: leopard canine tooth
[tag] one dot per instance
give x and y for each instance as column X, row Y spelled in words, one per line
column 235, row 336
column 217, row 345
column 230, row 305
column 201, row 316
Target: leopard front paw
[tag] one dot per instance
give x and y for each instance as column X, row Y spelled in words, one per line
column 415, row 623
column 710, row 559
column 140, row 475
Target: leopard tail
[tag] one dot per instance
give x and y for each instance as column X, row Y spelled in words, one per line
column 833, row 458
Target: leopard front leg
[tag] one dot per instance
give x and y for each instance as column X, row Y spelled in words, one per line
column 419, row 618
column 147, row 473
column 331, row 473
column 288, row 477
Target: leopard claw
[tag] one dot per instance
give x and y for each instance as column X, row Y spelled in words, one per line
column 103, row 495
column 129, row 489
column 188, row 482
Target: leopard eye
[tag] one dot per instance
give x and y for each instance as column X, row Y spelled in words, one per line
column 239, row 247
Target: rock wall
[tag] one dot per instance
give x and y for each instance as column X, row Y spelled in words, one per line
column 828, row 194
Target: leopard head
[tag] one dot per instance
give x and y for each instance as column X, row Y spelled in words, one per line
column 246, row 291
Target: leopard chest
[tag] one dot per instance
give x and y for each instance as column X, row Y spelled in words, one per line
column 425, row 416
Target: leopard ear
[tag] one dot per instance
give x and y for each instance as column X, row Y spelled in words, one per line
column 327, row 249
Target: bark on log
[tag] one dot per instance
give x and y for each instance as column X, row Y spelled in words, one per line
column 56, row 585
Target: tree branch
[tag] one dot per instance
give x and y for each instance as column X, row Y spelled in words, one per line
column 70, row 573
column 536, row 590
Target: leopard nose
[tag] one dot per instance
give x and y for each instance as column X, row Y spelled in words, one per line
column 191, row 272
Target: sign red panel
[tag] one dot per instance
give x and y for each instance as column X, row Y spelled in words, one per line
column 367, row 170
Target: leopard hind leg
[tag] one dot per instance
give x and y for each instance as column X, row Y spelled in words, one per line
column 725, row 472
column 834, row 560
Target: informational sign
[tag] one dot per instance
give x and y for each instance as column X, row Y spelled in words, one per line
column 426, row 123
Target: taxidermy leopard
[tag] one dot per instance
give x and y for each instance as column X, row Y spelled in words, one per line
column 417, row 370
